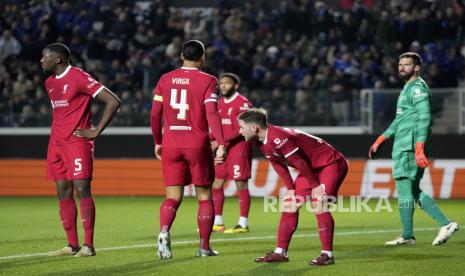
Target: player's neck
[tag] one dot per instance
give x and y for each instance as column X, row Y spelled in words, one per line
column 191, row 64
column 60, row 69
column 262, row 134
column 413, row 78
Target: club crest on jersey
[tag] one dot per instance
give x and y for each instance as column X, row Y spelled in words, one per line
column 65, row 88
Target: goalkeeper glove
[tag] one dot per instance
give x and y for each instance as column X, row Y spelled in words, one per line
column 420, row 157
column 376, row 146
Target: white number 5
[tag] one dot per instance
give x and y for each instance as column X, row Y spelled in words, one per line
column 78, row 164
column 182, row 105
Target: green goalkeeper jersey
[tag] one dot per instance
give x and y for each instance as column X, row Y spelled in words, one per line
column 412, row 124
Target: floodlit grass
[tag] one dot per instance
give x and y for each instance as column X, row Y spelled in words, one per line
column 127, row 227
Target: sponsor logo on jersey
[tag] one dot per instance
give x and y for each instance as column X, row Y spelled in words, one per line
column 60, row 103
column 92, row 82
column 51, row 90
column 280, row 144
column 226, row 121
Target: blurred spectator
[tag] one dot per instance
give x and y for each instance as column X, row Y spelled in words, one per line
column 9, row 46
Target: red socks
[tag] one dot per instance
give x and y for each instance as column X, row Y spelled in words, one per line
column 88, row 219
column 68, row 215
column 205, row 220
column 287, row 227
column 167, row 213
column 244, row 202
column 326, row 230
column 218, row 200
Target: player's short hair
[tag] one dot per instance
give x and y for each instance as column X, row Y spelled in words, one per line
column 235, row 78
column 254, row 115
column 193, row 50
column 414, row 56
column 60, row 49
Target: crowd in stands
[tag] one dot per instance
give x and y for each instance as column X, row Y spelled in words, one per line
column 302, row 59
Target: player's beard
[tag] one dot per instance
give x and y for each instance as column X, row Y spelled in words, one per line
column 406, row 75
column 229, row 93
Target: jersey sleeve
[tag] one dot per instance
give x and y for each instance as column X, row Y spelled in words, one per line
column 156, row 115
column 421, row 101
column 87, row 84
column 211, row 93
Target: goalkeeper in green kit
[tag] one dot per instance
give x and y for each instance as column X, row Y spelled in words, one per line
column 411, row 130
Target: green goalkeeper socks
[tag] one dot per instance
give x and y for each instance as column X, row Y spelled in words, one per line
column 406, row 209
column 431, row 208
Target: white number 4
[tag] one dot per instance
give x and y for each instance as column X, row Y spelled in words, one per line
column 182, row 105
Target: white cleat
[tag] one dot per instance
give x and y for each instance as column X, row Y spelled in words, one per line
column 402, row 241
column 446, row 232
column 65, row 251
column 164, row 246
column 85, row 251
column 207, row 253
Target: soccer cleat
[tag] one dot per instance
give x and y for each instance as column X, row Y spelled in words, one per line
column 402, row 241
column 206, row 253
column 218, row 228
column 237, row 229
column 164, row 246
column 85, row 251
column 446, row 232
column 323, row 259
column 272, row 257
column 65, row 251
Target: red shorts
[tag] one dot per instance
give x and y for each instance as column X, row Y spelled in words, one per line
column 70, row 161
column 235, row 167
column 332, row 176
column 186, row 166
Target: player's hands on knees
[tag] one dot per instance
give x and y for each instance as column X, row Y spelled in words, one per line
column 220, row 155
column 420, row 156
column 319, row 193
column 290, row 202
column 90, row 133
column 157, row 151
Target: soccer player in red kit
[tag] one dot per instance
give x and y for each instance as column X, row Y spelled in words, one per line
column 237, row 165
column 186, row 99
column 321, row 171
column 71, row 146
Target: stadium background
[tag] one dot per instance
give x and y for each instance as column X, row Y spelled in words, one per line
column 306, row 61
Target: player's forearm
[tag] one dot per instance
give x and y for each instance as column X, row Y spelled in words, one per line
column 301, row 165
column 112, row 104
column 214, row 122
column 283, row 172
column 423, row 124
column 155, row 122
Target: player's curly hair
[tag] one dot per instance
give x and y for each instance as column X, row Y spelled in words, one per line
column 235, row 78
column 193, row 50
column 255, row 116
column 414, row 56
column 60, row 49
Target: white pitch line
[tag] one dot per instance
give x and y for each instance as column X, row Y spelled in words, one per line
column 136, row 246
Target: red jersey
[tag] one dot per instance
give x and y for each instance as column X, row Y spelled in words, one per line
column 229, row 109
column 280, row 143
column 70, row 94
column 184, row 92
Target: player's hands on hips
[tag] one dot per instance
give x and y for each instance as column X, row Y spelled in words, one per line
column 157, row 151
column 375, row 147
column 319, row 193
column 90, row 133
column 420, row 156
column 220, row 155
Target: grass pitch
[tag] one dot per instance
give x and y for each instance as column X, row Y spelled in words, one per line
column 126, row 231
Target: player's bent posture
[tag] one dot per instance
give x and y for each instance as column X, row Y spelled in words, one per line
column 186, row 100
column 237, row 166
column 321, row 171
column 71, row 146
column 412, row 131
